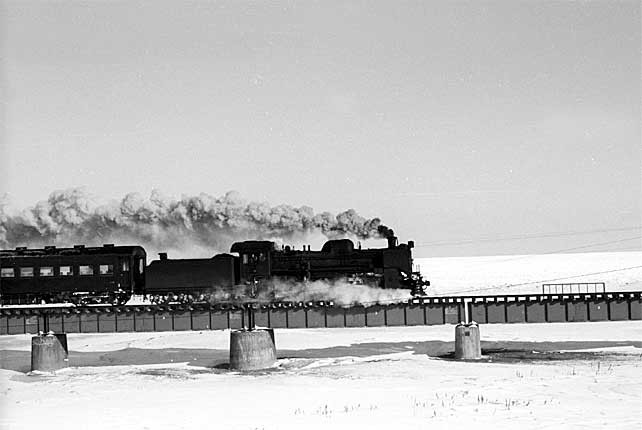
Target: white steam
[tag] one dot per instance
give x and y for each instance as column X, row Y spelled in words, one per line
column 340, row 292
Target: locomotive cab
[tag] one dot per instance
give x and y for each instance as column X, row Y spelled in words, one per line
column 255, row 260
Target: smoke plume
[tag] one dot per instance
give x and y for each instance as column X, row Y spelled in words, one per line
column 191, row 225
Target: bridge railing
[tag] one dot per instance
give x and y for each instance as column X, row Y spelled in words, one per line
column 579, row 287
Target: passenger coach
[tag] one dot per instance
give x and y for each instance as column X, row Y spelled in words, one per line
column 107, row 274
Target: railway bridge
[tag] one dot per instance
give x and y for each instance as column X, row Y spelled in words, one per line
column 485, row 309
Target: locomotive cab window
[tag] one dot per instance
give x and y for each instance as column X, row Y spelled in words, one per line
column 85, row 270
column 26, row 272
column 66, row 271
column 141, row 265
column 124, row 266
column 46, row 271
column 106, row 269
column 7, row 272
column 244, row 258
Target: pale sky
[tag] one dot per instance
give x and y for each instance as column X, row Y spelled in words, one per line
column 459, row 124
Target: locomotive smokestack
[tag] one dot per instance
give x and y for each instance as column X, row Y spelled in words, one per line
column 388, row 234
column 392, row 241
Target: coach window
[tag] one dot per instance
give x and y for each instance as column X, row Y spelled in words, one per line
column 106, row 269
column 141, row 265
column 26, row 272
column 45, row 271
column 85, row 270
column 7, row 272
column 66, row 271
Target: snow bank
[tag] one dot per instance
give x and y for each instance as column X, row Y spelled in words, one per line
column 331, row 378
column 525, row 273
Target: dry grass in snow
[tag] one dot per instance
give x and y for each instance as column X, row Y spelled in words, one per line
column 577, row 375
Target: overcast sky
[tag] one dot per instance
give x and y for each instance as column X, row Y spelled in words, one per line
column 452, row 121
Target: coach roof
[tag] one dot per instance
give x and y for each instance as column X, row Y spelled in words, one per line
column 76, row 250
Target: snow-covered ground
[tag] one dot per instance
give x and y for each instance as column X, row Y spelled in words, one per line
column 335, row 378
column 526, row 273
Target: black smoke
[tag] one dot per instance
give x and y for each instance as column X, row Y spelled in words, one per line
column 385, row 232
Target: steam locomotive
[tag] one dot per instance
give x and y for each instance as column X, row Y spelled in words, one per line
column 112, row 274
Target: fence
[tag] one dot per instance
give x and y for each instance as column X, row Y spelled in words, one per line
column 538, row 308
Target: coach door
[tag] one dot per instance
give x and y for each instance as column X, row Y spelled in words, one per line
column 124, row 273
column 139, row 275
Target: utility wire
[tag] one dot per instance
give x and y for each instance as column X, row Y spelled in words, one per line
column 549, row 280
column 524, row 237
column 557, row 251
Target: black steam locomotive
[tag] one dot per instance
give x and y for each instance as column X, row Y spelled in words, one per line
column 112, row 274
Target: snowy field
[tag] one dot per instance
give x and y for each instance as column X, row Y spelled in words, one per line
column 544, row 376
column 526, row 273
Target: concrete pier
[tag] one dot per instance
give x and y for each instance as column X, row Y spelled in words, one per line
column 252, row 350
column 49, row 352
column 467, row 343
